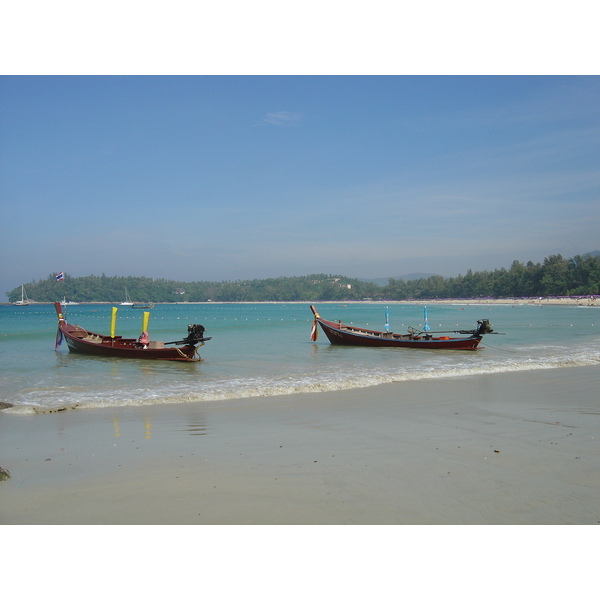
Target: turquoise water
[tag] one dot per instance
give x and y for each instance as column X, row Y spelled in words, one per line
column 265, row 350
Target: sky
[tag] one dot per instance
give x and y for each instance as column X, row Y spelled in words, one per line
column 225, row 177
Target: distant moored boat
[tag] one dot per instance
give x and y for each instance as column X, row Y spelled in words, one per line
column 24, row 301
column 127, row 301
column 69, row 303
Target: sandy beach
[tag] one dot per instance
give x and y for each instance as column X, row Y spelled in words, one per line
column 547, row 301
column 512, row 448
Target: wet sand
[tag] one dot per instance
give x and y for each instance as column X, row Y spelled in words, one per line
column 512, row 448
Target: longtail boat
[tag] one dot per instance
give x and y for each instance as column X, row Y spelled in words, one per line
column 349, row 335
column 87, row 342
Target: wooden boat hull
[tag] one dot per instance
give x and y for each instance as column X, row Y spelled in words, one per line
column 82, row 341
column 346, row 335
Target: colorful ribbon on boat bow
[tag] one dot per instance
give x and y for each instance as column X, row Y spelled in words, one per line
column 314, row 332
column 59, row 338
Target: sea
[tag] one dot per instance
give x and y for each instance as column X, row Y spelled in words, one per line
column 265, row 349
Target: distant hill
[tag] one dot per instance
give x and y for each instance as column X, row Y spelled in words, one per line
column 383, row 281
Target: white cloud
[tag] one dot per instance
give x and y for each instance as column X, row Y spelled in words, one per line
column 282, row 118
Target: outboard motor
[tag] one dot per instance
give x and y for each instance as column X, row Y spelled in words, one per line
column 484, row 327
column 195, row 334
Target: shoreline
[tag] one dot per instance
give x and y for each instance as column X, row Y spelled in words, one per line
column 541, row 301
column 510, row 448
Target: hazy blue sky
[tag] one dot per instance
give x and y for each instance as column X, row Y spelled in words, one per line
column 243, row 177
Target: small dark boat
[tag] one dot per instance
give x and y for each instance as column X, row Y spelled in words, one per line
column 348, row 335
column 148, row 306
column 87, row 342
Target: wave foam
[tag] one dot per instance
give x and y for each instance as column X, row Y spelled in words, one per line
column 334, row 380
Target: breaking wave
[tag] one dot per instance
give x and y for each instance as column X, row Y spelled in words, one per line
column 53, row 400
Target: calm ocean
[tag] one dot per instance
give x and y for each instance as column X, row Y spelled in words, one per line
column 265, row 350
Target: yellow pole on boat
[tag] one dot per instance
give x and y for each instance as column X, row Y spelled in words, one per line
column 145, row 317
column 113, row 320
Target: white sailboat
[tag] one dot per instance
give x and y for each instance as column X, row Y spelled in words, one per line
column 128, row 301
column 24, row 301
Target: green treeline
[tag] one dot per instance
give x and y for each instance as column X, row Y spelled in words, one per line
column 556, row 276
column 143, row 289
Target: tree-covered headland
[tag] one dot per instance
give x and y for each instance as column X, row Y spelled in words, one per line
column 555, row 276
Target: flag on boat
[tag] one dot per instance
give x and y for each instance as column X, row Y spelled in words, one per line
column 426, row 327
column 60, row 276
column 387, row 319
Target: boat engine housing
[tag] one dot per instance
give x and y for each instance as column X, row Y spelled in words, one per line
column 195, row 334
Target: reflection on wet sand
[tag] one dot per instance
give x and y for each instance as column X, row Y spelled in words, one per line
column 195, row 426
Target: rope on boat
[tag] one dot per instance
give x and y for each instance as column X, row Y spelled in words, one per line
column 182, row 354
column 486, row 345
